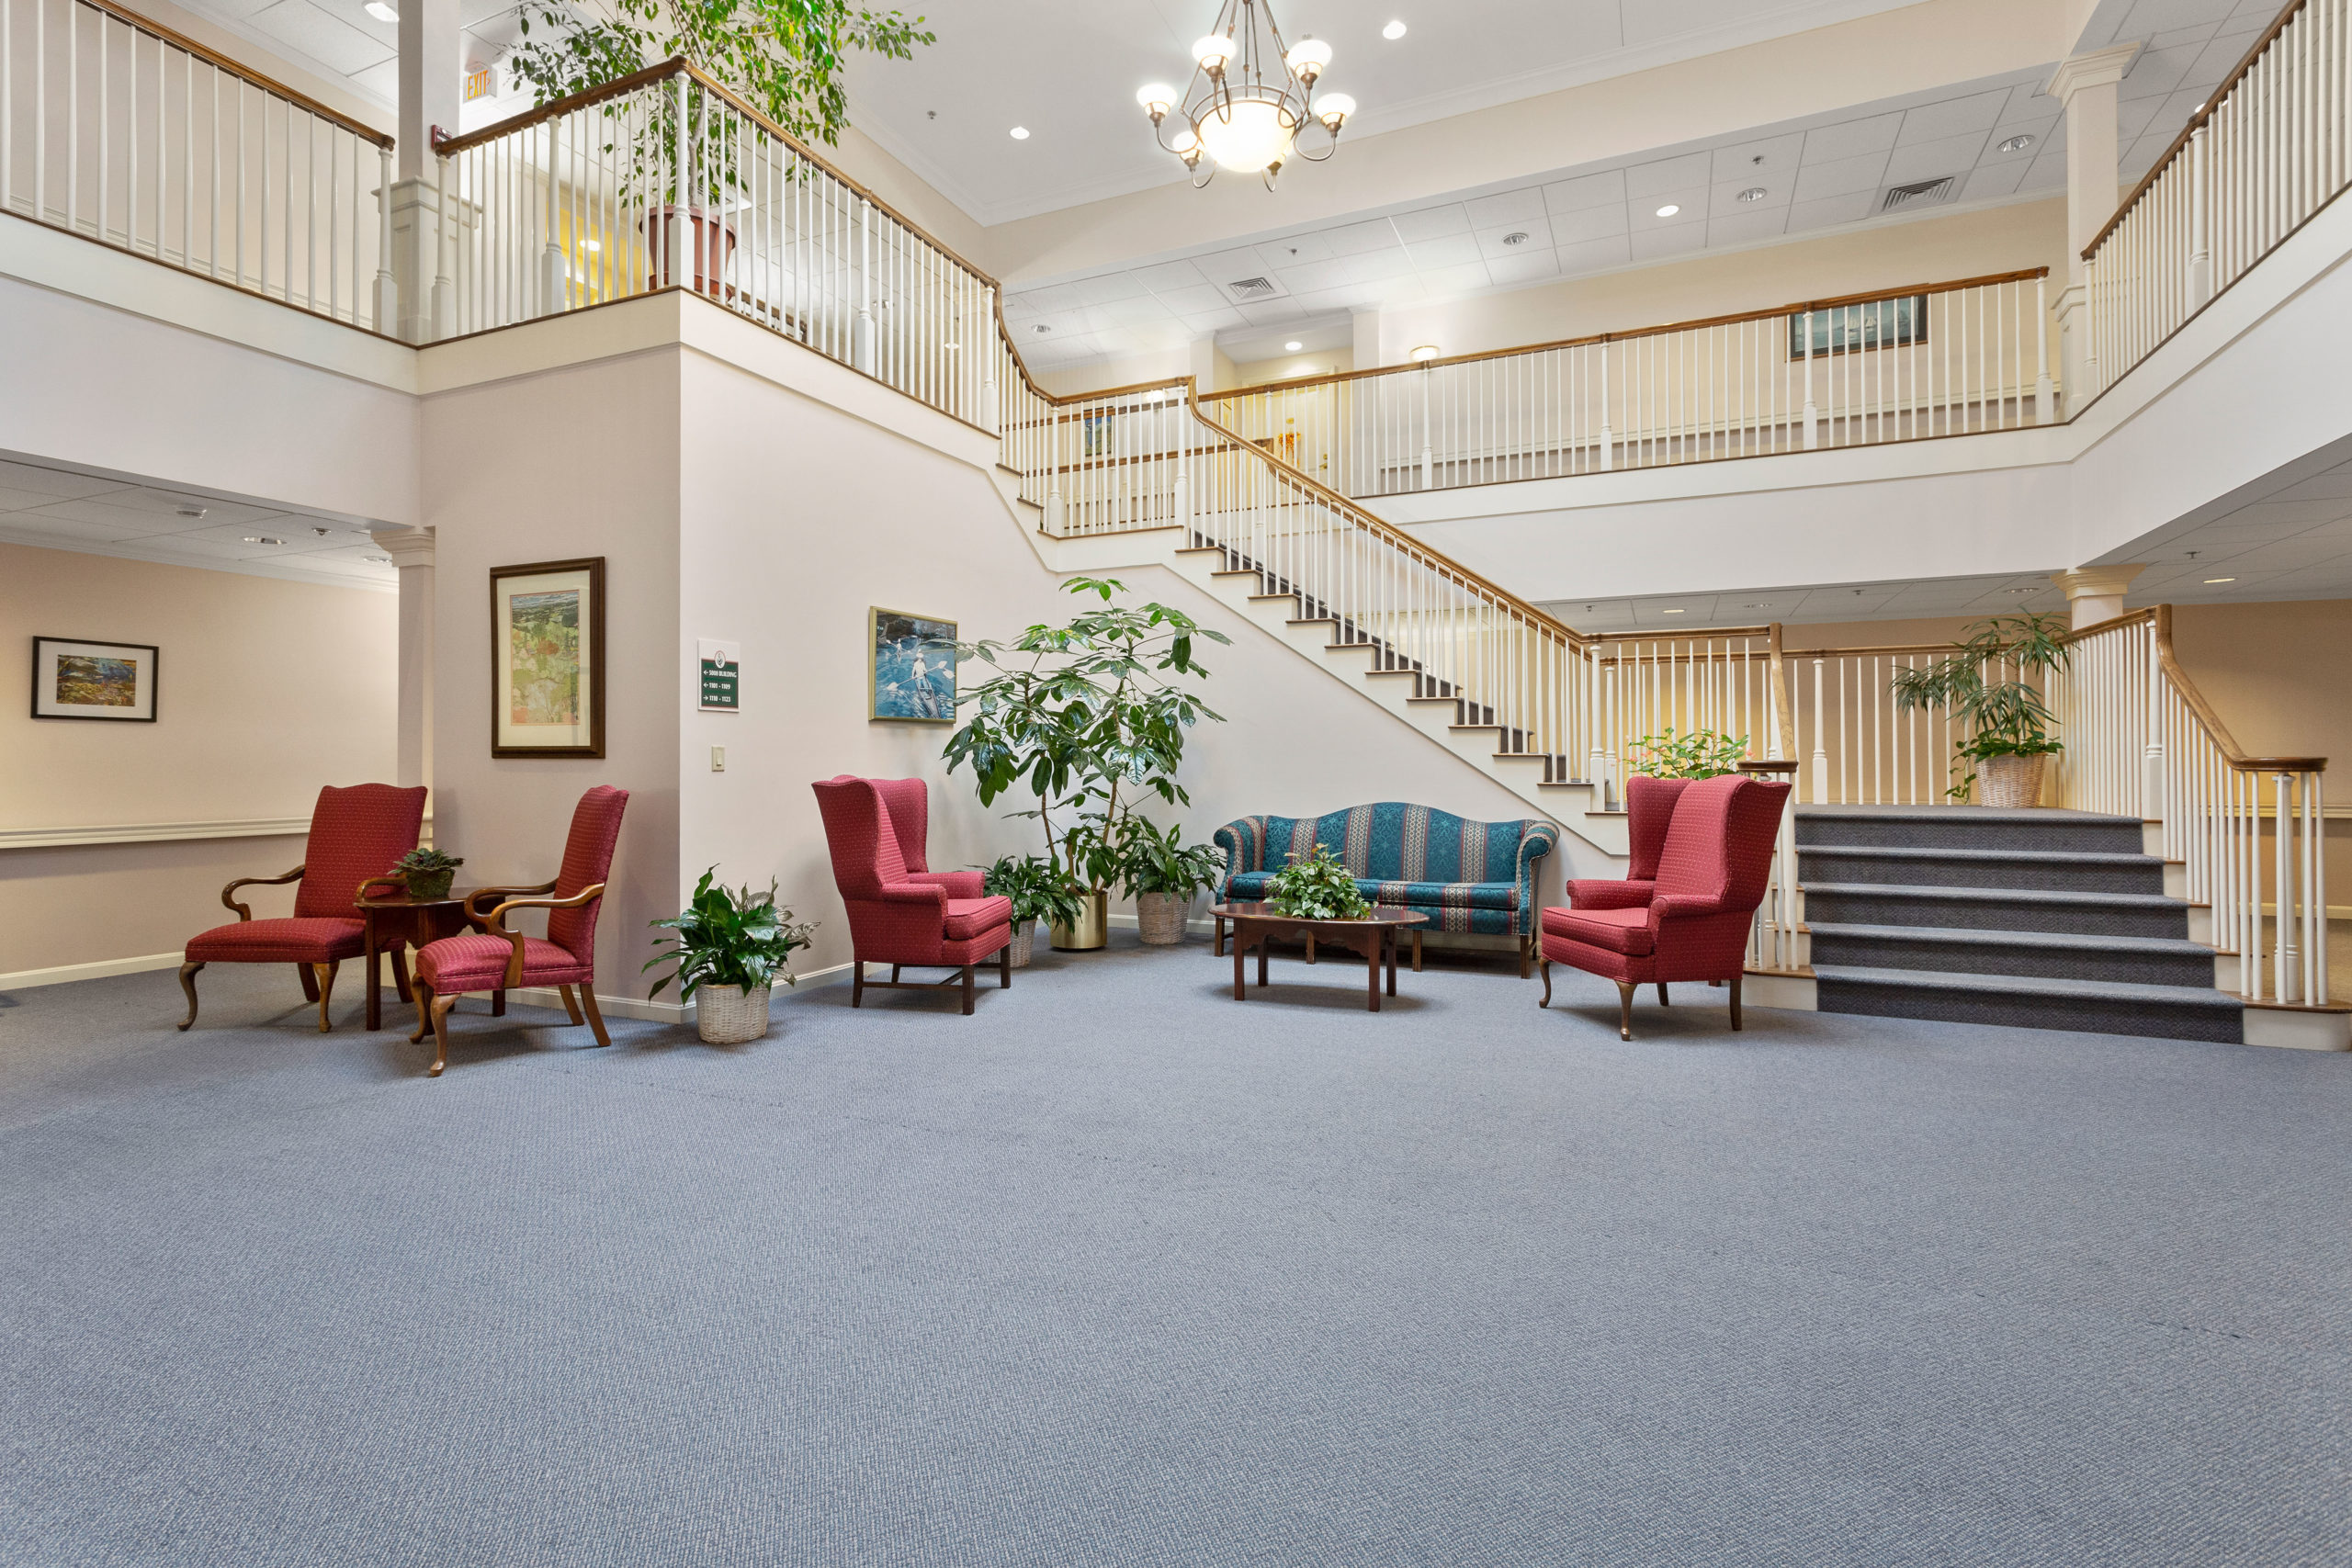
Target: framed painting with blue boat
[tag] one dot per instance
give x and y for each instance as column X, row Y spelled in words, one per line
column 912, row 677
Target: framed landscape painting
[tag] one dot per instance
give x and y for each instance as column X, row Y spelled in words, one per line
column 546, row 658
column 105, row 681
column 914, row 667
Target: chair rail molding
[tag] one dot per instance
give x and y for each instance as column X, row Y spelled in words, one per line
column 154, row 832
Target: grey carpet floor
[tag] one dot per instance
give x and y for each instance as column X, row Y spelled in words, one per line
column 1120, row 1271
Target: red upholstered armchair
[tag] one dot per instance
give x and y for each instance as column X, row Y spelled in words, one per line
column 1710, row 857
column 356, row 835
column 899, row 915
column 493, row 958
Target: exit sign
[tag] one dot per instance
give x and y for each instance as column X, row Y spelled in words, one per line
column 478, row 85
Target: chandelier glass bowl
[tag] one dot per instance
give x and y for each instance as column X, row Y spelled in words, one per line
column 1250, row 100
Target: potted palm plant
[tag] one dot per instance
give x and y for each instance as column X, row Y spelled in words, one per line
column 1038, row 891
column 1163, row 875
column 2010, row 723
column 730, row 945
column 1086, row 715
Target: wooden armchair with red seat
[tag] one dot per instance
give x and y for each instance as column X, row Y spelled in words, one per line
column 1701, row 858
column 900, row 913
column 356, row 835
column 493, row 958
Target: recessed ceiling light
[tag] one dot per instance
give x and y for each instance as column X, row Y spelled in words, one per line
column 1393, row 31
column 190, row 511
column 1020, row 134
column 1424, row 354
column 2221, row 580
column 1516, row 237
column 377, row 560
column 382, row 12
column 2020, row 592
column 1672, row 612
column 1760, row 604
column 1293, row 347
column 1668, row 211
column 1753, row 193
column 1041, row 329
column 263, row 539
column 2016, row 144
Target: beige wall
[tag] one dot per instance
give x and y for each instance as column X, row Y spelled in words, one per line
column 267, row 691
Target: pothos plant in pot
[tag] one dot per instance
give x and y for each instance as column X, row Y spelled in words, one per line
column 1317, row 887
column 1038, row 891
column 730, row 945
column 1163, row 875
column 1089, row 716
column 2008, row 722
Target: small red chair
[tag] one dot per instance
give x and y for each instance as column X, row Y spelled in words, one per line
column 493, row 958
column 356, row 835
column 898, row 915
column 1689, row 919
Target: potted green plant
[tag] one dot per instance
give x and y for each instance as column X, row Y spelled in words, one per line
column 2009, row 721
column 428, row 872
column 1038, row 891
column 1163, row 875
column 1086, row 715
column 730, row 946
column 1700, row 754
column 1318, row 886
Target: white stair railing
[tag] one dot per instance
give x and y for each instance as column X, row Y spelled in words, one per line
column 2269, row 148
column 122, row 132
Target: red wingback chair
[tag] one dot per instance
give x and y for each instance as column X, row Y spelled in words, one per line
column 909, row 804
column 356, row 835
column 1689, row 921
column 897, row 915
column 493, row 958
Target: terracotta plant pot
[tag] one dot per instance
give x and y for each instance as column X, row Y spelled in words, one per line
column 2009, row 781
column 712, row 243
column 1025, row 943
column 1092, row 929
column 425, row 885
column 1159, row 916
column 730, row 1015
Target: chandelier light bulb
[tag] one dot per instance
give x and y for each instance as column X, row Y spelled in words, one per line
column 1307, row 58
column 1332, row 108
column 1211, row 52
column 1248, row 135
column 1157, row 99
column 1185, row 145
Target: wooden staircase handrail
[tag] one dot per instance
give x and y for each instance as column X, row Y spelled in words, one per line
column 2215, row 730
column 221, row 62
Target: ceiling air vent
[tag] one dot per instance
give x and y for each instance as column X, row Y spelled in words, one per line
column 1254, row 288
column 1922, row 193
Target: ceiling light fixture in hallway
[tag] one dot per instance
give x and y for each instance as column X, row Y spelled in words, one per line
column 1250, row 97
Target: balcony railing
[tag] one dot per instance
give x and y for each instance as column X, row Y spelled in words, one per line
column 2271, row 146
column 122, row 132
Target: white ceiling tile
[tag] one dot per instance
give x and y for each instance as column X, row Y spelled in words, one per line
column 1587, row 191
column 1671, row 240
column 1689, row 207
column 1466, row 279
column 1136, row 311
column 1190, row 301
column 1994, row 179
column 1933, row 160
column 1379, row 267
column 1851, row 139
column 1847, row 175
column 1110, row 285
column 381, row 81
column 1313, row 246
column 55, row 482
column 1358, row 238
column 304, row 27
column 1431, row 223
column 2029, row 108
column 2157, row 72
column 1307, row 277
column 1270, row 312
column 1748, row 226
column 1168, row 276
column 1644, row 181
column 1205, row 322
column 2131, row 119
column 1589, row 223
column 1511, row 209
column 1595, row 255
column 1779, row 155
column 1829, row 209
column 1524, row 266
column 1952, row 116
column 117, row 522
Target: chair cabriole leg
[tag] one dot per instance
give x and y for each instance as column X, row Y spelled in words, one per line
column 1734, row 1002
column 187, row 984
column 967, row 989
column 326, row 991
column 423, row 999
column 595, row 1018
column 1547, row 985
column 310, row 982
column 571, row 1005
column 441, row 1006
column 399, row 974
column 1625, row 990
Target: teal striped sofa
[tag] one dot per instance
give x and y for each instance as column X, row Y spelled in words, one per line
column 1465, row 876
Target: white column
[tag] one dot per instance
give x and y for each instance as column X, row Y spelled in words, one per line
column 1366, row 327
column 432, row 76
column 1203, row 364
column 411, row 552
column 2095, row 594
column 2085, row 86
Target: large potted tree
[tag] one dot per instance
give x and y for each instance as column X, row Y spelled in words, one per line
column 2009, row 720
column 1090, row 716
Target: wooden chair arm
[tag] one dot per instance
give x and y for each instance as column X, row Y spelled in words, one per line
column 243, row 912
column 493, row 923
column 474, row 914
column 361, row 895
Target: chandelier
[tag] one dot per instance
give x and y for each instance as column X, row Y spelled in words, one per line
column 1250, row 98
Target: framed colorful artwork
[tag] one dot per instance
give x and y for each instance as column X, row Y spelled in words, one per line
column 105, row 681
column 546, row 658
column 913, row 669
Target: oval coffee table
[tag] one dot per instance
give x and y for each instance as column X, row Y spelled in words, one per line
column 1375, row 936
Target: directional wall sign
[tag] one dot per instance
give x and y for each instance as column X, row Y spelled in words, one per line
column 722, row 675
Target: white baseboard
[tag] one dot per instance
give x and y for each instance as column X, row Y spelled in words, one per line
column 24, row 979
column 2297, row 1029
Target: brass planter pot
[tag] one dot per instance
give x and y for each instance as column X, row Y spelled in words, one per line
column 1093, row 927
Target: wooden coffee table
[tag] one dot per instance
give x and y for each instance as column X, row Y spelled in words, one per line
column 394, row 919
column 1375, row 936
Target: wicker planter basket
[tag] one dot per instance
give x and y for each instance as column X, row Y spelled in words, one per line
column 2009, row 781
column 730, row 1015
column 1159, row 916
column 1025, row 943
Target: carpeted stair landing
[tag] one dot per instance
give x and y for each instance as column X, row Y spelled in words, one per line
column 2034, row 919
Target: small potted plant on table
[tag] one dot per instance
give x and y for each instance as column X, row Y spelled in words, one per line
column 1038, row 891
column 730, row 946
column 427, row 873
column 1316, row 888
column 1164, row 874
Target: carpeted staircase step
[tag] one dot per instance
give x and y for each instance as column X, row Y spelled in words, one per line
column 2057, row 870
column 2051, row 955
column 2027, row 1001
column 1967, row 828
column 1996, row 908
